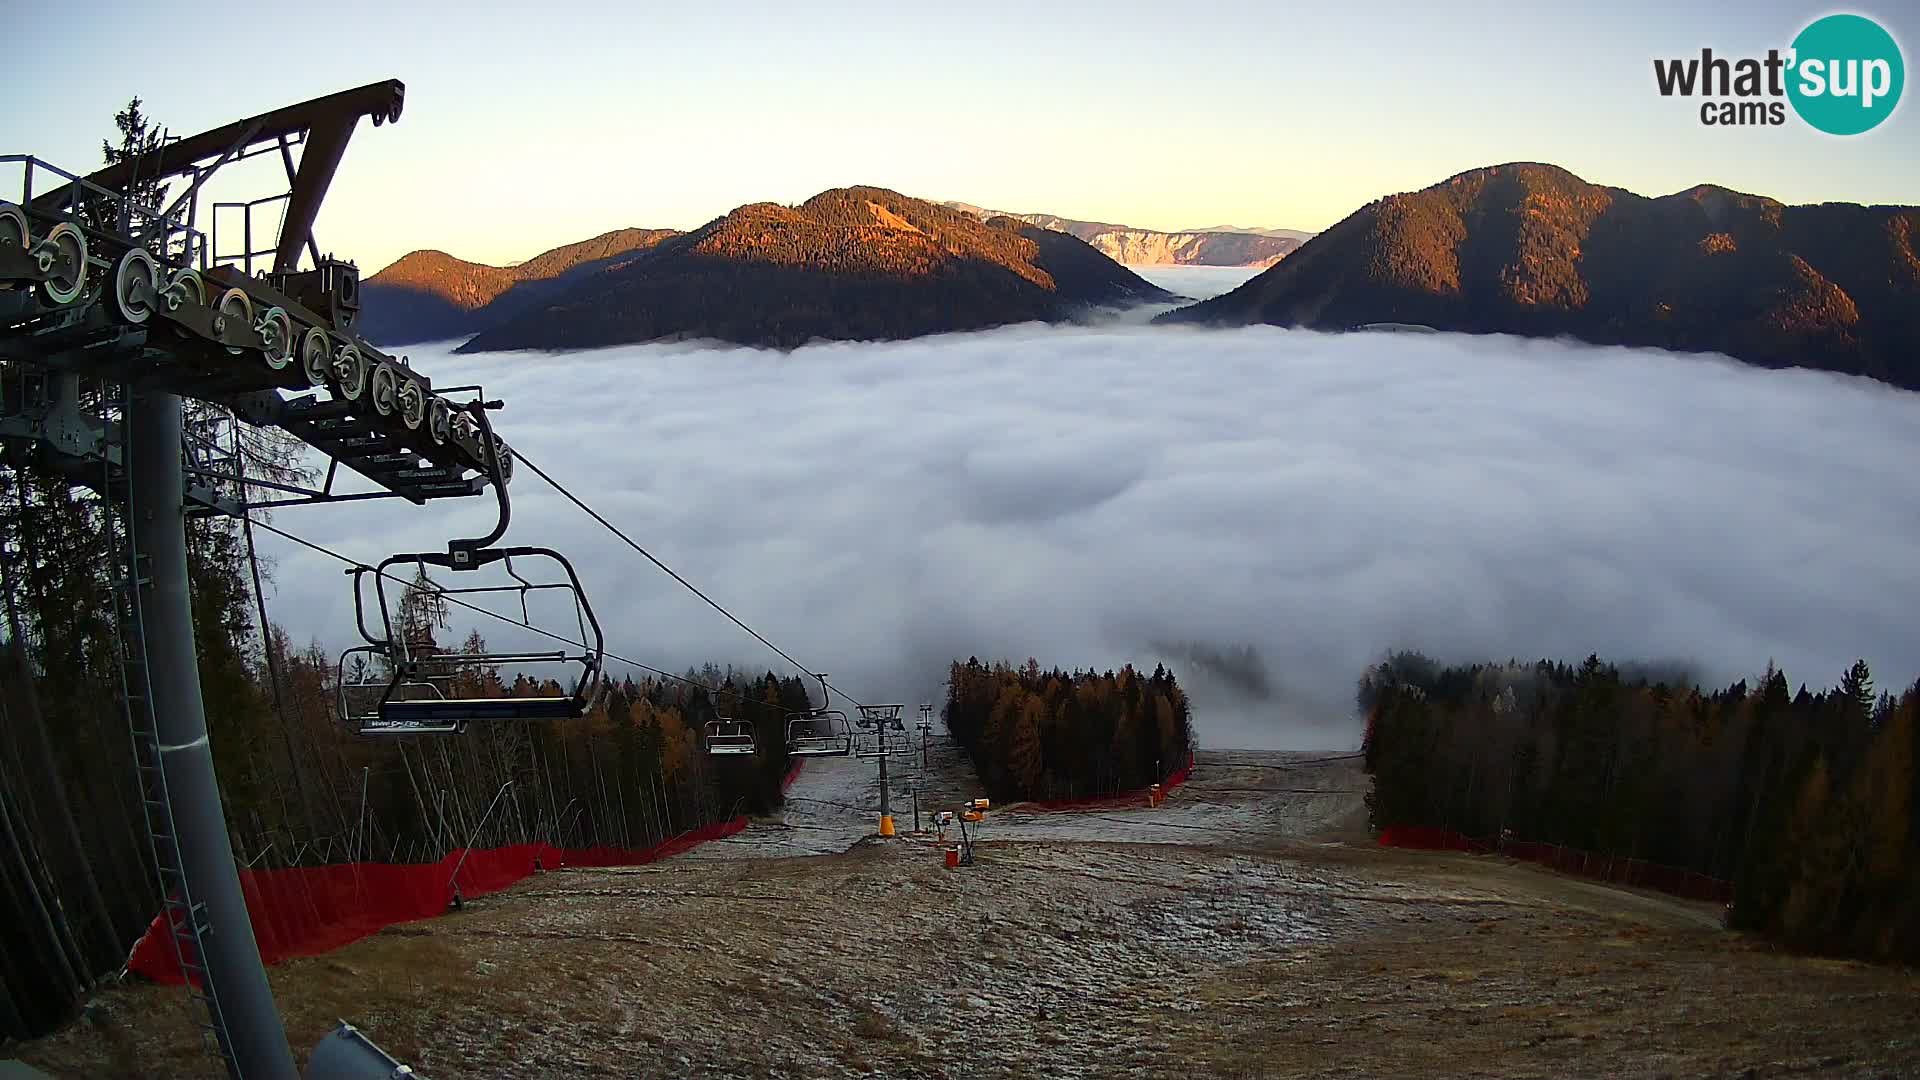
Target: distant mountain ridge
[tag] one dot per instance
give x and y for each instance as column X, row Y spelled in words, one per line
column 859, row 263
column 1284, row 234
column 430, row 295
column 1217, row 246
column 1528, row 248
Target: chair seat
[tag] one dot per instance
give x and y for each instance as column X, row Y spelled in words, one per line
column 480, row 710
column 822, row 747
column 376, row 726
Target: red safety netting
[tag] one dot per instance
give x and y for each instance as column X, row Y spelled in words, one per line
column 1609, row 868
column 1126, row 798
column 309, row 910
column 1429, row 838
column 1636, row 872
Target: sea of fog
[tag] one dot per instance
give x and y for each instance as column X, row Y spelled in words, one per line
column 1266, row 510
column 1196, row 282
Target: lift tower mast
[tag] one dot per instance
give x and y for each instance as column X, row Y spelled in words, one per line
column 113, row 312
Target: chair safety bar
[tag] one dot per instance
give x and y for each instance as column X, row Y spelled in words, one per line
column 440, row 710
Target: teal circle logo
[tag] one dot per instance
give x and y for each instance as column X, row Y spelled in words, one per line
column 1847, row 74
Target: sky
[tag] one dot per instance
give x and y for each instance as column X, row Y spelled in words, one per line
column 527, row 127
column 1266, row 510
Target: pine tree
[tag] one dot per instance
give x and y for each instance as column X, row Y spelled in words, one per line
column 1024, row 759
column 1886, row 787
column 137, row 140
column 1856, row 690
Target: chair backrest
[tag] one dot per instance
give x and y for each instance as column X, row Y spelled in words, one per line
column 419, row 675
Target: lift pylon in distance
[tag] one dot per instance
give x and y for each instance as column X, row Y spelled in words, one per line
column 884, row 733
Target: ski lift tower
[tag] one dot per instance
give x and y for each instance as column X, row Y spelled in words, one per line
column 113, row 312
column 883, row 737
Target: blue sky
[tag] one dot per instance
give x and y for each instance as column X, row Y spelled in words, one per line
column 532, row 125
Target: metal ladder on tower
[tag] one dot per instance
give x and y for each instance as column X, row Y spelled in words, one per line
column 186, row 918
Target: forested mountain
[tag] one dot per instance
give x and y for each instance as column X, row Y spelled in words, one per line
column 851, row 263
column 430, row 295
column 1532, row 249
column 1805, row 801
column 1218, row 246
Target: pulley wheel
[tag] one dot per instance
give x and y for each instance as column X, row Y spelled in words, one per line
column 185, row 288
column 13, row 227
column 413, row 404
column 68, row 248
column 236, row 306
column 384, row 389
column 466, row 436
column 439, row 421
column 505, row 453
column 350, row 373
column 275, row 328
column 136, row 285
column 316, row 356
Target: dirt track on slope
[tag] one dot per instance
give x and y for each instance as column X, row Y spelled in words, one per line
column 1242, row 930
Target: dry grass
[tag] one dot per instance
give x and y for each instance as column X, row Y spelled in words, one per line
column 1063, row 958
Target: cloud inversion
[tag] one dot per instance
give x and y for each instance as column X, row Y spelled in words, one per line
column 1267, row 510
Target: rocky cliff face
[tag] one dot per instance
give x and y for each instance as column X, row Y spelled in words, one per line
column 1145, row 248
column 1150, row 247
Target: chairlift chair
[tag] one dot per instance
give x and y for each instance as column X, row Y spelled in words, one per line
column 821, row 732
column 420, row 696
column 729, row 738
column 358, row 701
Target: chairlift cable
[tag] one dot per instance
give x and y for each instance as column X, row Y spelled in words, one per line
column 273, row 666
column 561, row 638
column 668, row 570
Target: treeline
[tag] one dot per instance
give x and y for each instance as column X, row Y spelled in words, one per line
column 1036, row 734
column 77, row 880
column 1805, row 801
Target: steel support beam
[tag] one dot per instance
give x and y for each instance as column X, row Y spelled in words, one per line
column 382, row 100
column 326, row 142
column 232, row 957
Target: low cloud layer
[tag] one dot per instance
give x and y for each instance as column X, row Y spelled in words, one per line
column 1266, row 510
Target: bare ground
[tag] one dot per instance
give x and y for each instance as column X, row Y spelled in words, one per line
column 1242, row 930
